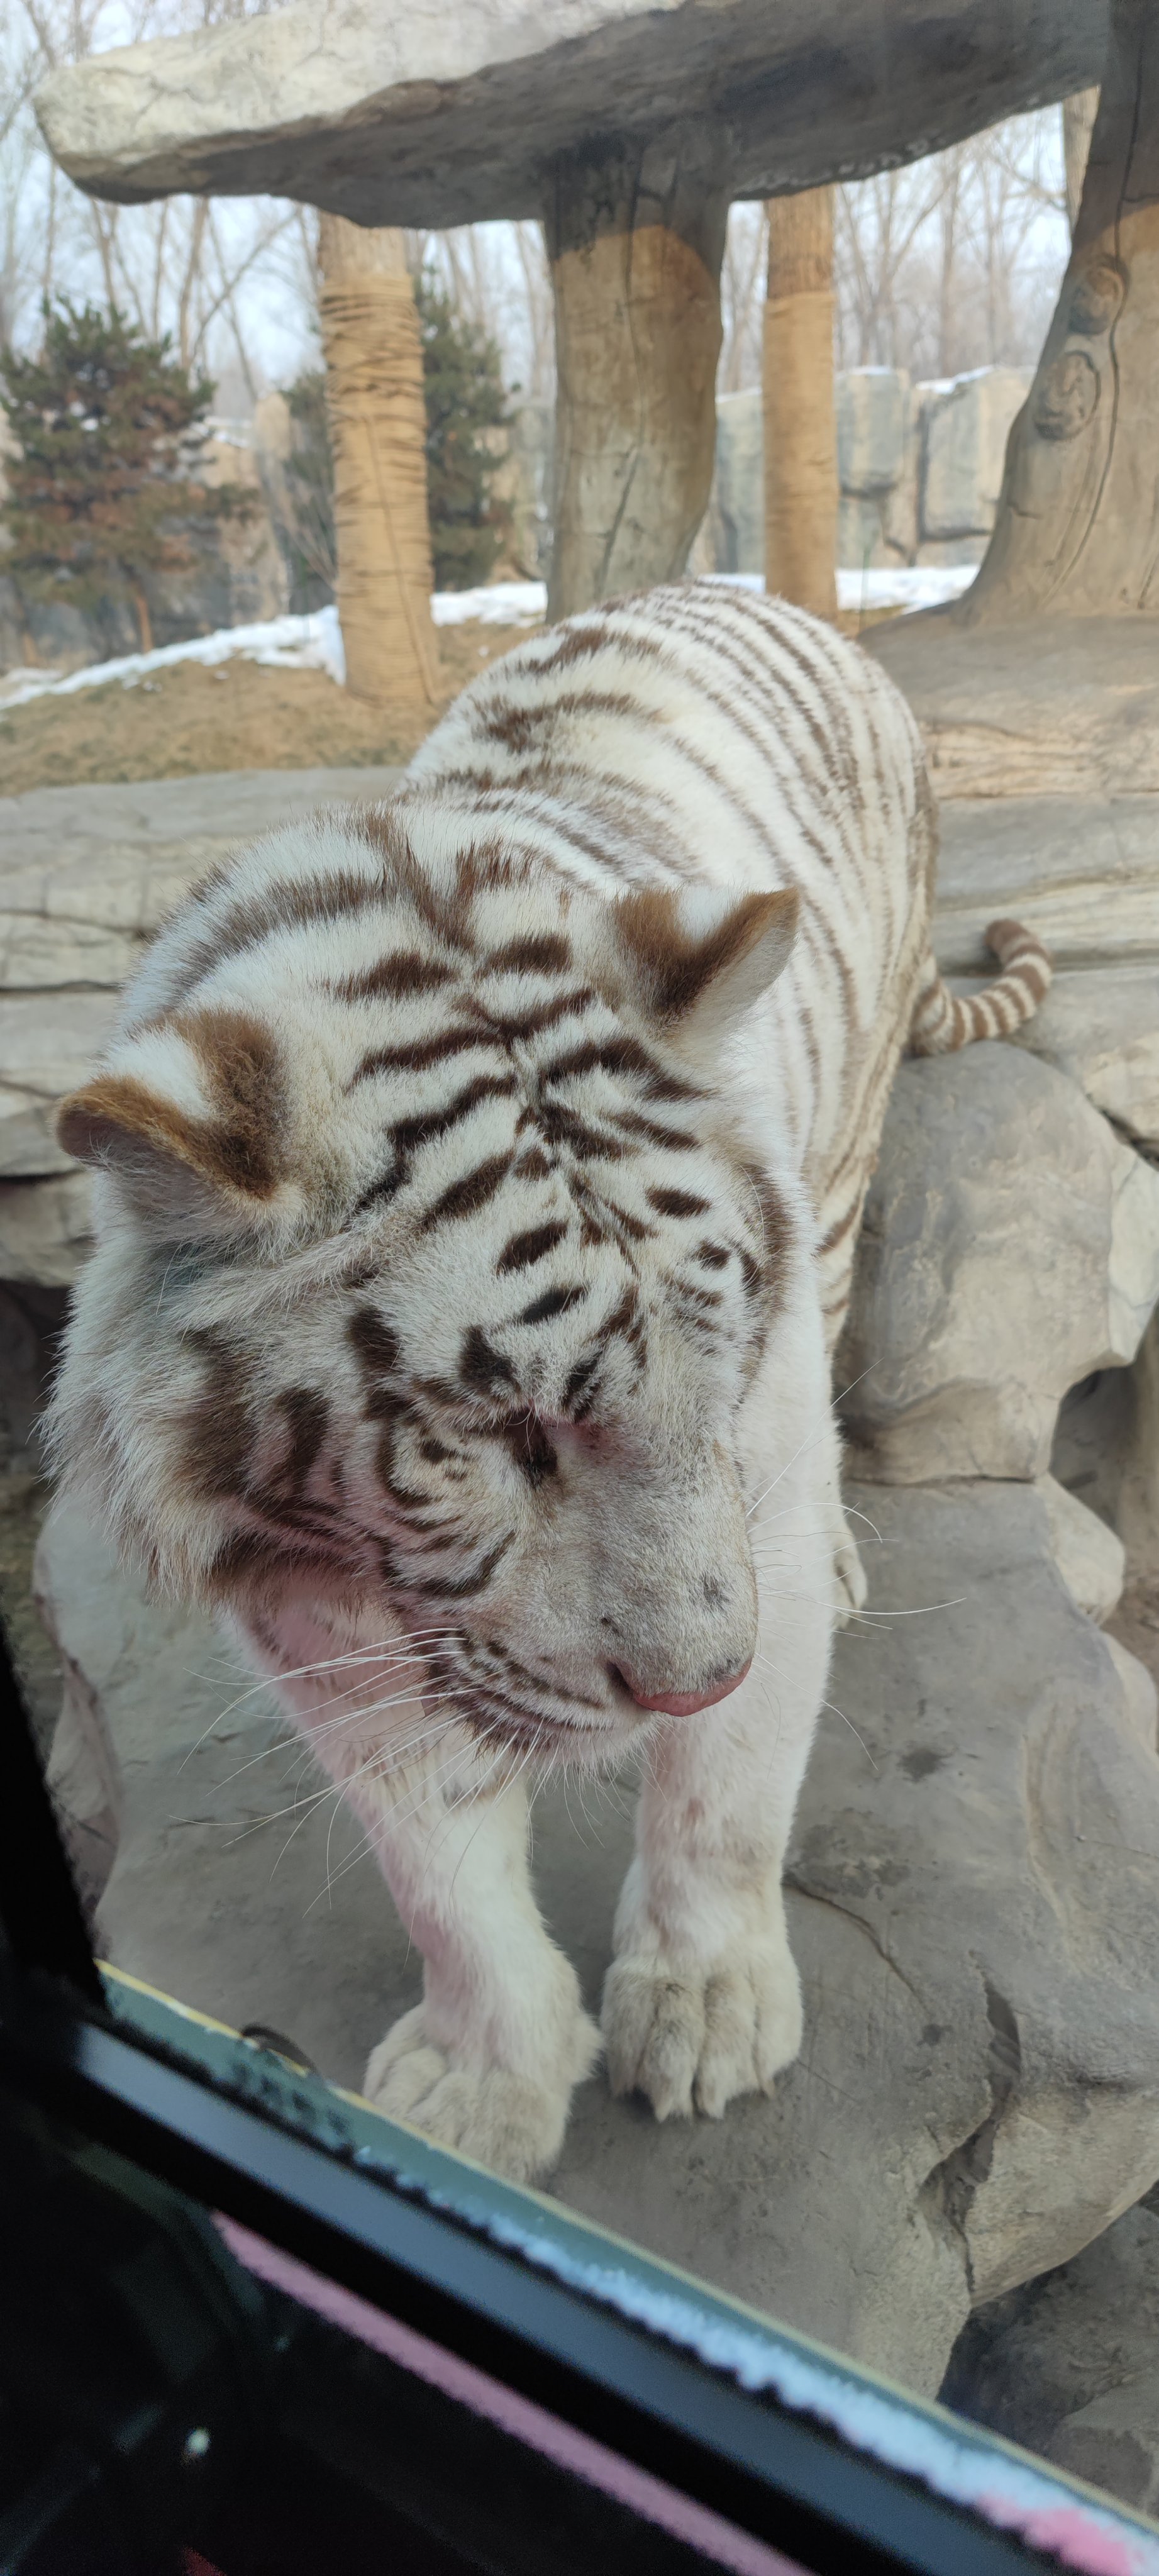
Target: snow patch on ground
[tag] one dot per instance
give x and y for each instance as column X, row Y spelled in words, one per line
column 314, row 643
column 289, row 643
column 910, row 586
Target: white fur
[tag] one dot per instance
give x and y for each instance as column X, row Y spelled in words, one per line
column 701, row 1525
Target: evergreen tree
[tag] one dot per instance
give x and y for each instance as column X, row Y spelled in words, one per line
column 106, row 424
column 465, row 397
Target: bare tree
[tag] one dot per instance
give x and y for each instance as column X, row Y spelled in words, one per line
column 183, row 266
column 742, row 290
column 953, row 262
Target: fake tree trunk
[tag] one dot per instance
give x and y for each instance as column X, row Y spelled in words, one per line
column 799, row 409
column 635, row 236
column 1077, row 530
column 377, row 414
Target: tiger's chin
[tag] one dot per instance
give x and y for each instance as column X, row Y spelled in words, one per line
column 563, row 1743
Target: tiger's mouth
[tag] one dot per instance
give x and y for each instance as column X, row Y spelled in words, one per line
column 504, row 1701
column 497, row 1710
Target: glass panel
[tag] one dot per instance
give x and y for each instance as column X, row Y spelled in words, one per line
column 493, row 1187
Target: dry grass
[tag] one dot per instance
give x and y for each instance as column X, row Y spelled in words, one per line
column 188, row 719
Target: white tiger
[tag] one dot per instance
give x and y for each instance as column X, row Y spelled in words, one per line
column 479, row 1179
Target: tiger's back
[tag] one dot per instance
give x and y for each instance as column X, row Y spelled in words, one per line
column 701, row 735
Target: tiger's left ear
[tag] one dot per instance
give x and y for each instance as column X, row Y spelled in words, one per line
column 701, row 956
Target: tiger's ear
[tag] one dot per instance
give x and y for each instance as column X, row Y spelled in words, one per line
column 700, row 956
column 189, row 1121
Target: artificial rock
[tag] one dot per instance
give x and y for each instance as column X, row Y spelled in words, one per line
column 965, row 425
column 86, row 876
column 45, row 1229
column 1090, row 1557
column 1069, row 2365
column 1046, row 707
column 1102, row 1028
column 1010, row 1247
column 1106, row 1451
column 916, row 470
column 435, row 119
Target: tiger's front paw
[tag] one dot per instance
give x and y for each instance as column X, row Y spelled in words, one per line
column 690, row 2037
column 513, row 2124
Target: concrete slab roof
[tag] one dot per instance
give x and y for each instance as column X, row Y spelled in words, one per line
column 432, row 114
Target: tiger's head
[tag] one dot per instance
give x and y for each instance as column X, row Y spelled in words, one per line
column 432, row 1269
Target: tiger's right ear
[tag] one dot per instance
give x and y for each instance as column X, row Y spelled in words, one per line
column 700, row 956
column 189, row 1123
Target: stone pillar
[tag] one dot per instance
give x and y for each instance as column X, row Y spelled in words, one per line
column 635, row 236
column 1077, row 531
column 374, row 397
column 799, row 404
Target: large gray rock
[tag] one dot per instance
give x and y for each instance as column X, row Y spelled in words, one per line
column 1069, row 2366
column 1047, row 707
column 433, row 117
column 965, row 426
column 86, row 876
column 1043, row 746
column 894, row 442
column 1010, row 1247
column 872, row 405
column 733, row 532
column 1081, row 869
column 48, row 1045
column 1106, row 1452
column 1090, row 1557
column 45, row 1230
column 88, row 873
column 878, row 467
column 1102, row 1027
column 971, row 1899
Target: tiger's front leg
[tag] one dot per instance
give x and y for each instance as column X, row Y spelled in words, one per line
column 702, row 2000
column 489, row 2060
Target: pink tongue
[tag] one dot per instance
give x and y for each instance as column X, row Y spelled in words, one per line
column 686, row 1703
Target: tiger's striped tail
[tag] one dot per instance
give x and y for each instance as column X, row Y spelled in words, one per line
column 941, row 1022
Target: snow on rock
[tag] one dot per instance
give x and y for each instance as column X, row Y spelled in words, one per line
column 496, row 603
column 910, row 586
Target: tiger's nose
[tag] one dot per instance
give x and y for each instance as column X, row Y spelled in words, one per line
column 685, row 1703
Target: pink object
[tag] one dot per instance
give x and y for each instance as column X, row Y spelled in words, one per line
column 1071, row 2532
column 645, row 2495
